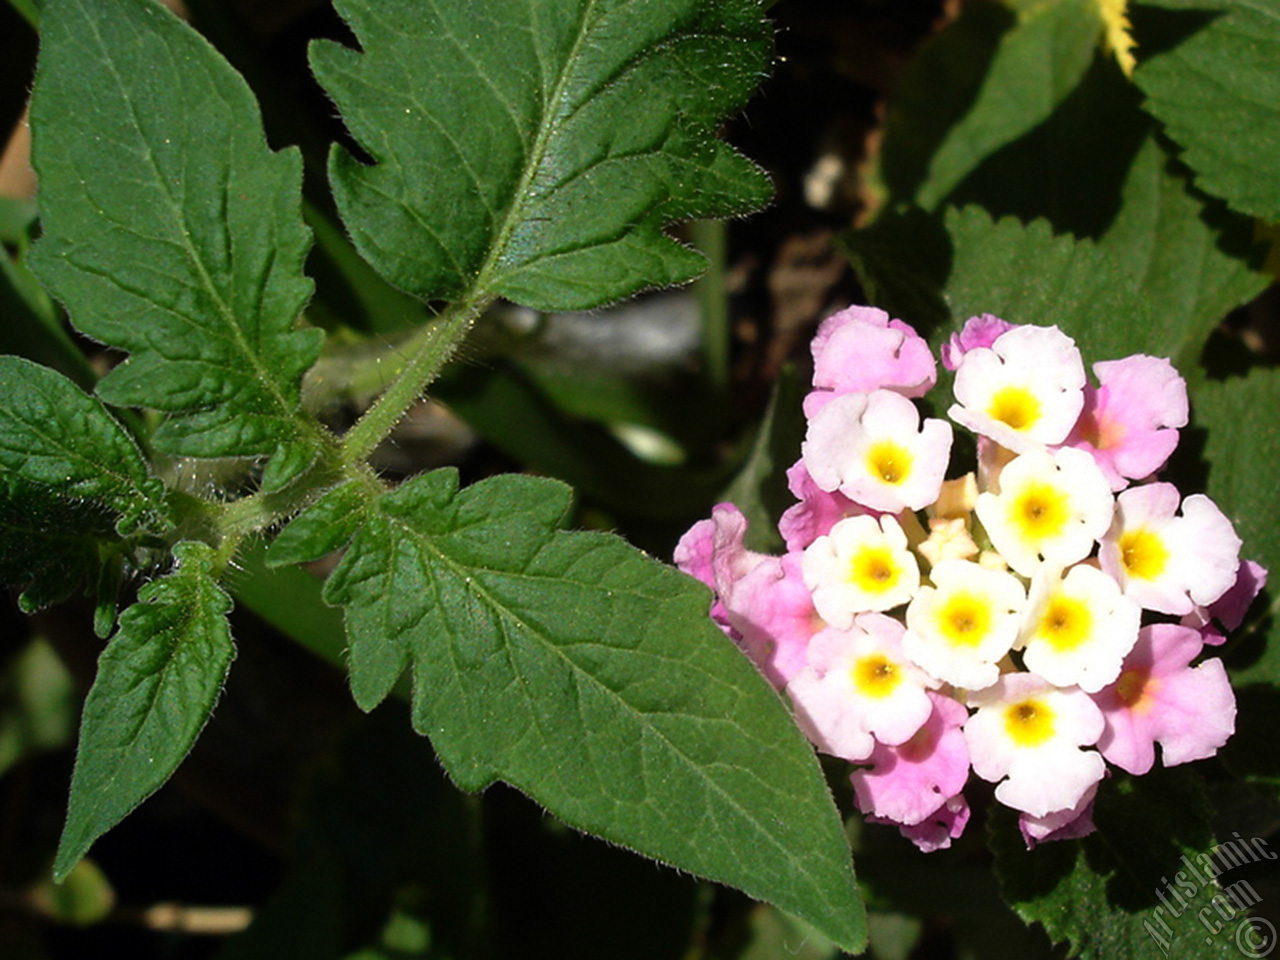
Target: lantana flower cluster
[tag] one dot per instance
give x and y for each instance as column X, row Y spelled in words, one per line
column 1028, row 622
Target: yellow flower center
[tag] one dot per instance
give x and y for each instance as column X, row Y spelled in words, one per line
column 1143, row 553
column 1029, row 723
column 889, row 461
column 1136, row 690
column 1015, row 407
column 873, row 570
column 1065, row 624
column 1040, row 511
column 876, row 676
column 965, row 619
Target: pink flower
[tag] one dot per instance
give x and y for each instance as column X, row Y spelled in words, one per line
column 1229, row 609
column 936, row 831
column 873, row 448
column 1068, row 824
column 816, row 513
column 713, row 551
column 980, row 331
column 1165, row 562
column 1031, row 733
column 1025, row 391
column 1161, row 698
column 860, row 349
column 1129, row 422
column 772, row 610
column 859, row 688
column 907, row 783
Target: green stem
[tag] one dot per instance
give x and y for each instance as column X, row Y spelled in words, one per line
column 427, row 353
column 709, row 236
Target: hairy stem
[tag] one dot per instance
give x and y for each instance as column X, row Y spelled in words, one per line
column 427, row 353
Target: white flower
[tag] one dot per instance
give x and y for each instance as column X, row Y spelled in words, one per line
column 1025, row 391
column 1165, row 562
column 863, row 564
column 1079, row 628
column 873, row 449
column 958, row 629
column 859, row 688
column 1051, row 507
column 1031, row 732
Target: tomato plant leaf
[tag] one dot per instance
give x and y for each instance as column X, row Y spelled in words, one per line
column 535, row 151
column 171, row 230
column 157, row 682
column 72, row 482
column 589, row 676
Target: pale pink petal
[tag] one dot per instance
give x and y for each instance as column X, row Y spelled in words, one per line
column 1229, row 609
column 1196, row 715
column 860, row 349
column 908, row 782
column 1129, row 422
column 937, row 830
column 816, row 513
column 773, row 611
column 980, row 331
column 714, row 551
column 1069, row 824
column 1161, row 698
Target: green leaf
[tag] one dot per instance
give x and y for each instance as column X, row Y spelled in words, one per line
column 1216, row 93
column 72, row 481
column 1107, row 894
column 37, row 704
column 1158, row 284
column 536, row 150
column 760, row 489
column 1235, row 421
column 322, row 528
column 979, row 85
column 54, row 435
column 157, row 683
column 590, row 677
column 170, row 228
column 50, row 545
column 1024, row 274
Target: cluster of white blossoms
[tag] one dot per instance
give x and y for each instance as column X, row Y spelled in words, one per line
column 1030, row 621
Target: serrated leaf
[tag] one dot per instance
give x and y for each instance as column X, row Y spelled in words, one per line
column 71, row 478
column 590, row 677
column 157, row 683
column 1107, row 894
column 1024, row 274
column 53, row 434
column 1159, row 284
column 535, row 150
column 171, row 230
column 322, row 528
column 49, row 545
column 1217, row 92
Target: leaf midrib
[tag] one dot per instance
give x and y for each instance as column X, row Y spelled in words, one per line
column 548, row 127
column 641, row 719
column 225, row 313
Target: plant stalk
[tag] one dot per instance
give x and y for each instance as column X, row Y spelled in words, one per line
column 427, row 352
